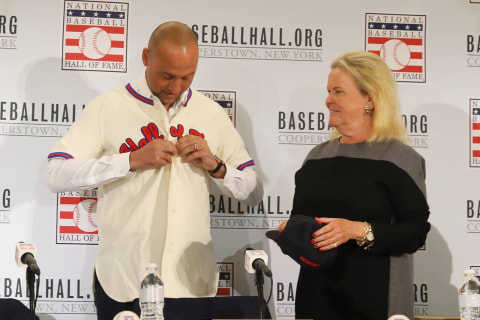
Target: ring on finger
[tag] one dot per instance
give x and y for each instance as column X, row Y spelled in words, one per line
column 195, row 147
column 335, row 244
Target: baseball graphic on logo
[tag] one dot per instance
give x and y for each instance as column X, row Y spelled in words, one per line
column 396, row 54
column 94, row 43
column 85, row 215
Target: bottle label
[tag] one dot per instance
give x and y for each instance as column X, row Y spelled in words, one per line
column 151, row 294
column 470, row 300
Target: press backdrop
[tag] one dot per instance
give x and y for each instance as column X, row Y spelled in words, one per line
column 266, row 62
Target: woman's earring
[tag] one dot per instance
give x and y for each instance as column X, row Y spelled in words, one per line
column 367, row 109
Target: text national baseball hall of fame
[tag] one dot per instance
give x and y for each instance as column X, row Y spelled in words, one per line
column 400, row 41
column 95, row 36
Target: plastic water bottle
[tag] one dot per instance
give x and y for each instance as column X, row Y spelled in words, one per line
column 151, row 295
column 469, row 297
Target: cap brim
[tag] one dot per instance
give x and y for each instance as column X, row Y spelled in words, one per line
column 272, row 234
column 295, row 241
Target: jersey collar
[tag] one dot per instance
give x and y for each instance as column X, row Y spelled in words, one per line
column 140, row 90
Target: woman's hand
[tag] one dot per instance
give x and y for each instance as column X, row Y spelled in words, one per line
column 336, row 232
column 282, row 226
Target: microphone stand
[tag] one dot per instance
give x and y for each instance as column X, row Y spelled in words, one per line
column 31, row 292
column 259, row 282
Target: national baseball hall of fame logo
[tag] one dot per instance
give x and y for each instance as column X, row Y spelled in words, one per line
column 475, row 133
column 400, row 41
column 226, row 99
column 95, row 36
column 77, row 217
column 225, row 279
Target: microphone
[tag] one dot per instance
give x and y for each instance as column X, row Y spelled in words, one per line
column 126, row 315
column 25, row 255
column 257, row 260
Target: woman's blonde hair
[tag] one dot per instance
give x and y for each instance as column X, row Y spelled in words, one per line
column 374, row 78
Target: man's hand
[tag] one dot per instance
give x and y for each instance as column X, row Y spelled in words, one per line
column 199, row 156
column 154, row 154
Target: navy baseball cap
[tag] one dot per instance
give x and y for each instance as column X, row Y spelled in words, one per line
column 295, row 241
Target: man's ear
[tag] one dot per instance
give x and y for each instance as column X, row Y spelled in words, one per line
column 145, row 56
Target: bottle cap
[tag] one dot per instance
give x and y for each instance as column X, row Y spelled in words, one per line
column 126, row 315
column 398, row 317
column 469, row 271
column 151, row 265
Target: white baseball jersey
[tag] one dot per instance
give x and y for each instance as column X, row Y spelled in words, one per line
column 159, row 215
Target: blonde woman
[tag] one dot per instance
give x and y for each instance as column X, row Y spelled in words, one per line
column 368, row 188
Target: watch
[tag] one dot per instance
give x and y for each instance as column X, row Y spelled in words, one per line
column 368, row 236
column 220, row 164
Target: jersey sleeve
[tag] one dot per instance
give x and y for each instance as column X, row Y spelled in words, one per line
column 84, row 139
column 232, row 149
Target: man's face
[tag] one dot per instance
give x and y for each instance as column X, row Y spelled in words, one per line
column 170, row 70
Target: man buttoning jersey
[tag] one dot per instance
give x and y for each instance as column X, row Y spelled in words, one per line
column 152, row 147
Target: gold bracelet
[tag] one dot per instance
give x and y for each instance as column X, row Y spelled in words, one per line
column 368, row 237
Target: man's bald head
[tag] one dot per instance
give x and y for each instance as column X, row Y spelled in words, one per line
column 173, row 32
column 171, row 60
